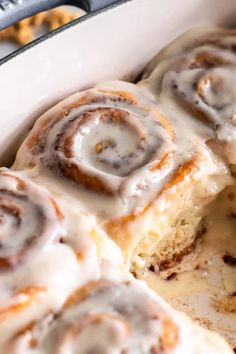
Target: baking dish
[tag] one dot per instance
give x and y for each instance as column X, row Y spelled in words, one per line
column 115, row 42
column 112, row 43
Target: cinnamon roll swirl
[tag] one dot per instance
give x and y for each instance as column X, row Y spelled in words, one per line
column 28, row 220
column 38, row 268
column 198, row 72
column 100, row 139
column 110, row 317
column 120, row 156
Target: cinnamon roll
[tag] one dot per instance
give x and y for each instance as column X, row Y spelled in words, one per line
column 197, row 72
column 110, row 317
column 122, row 160
column 32, row 217
column 38, row 267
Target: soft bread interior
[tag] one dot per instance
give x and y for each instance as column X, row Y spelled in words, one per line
column 176, row 230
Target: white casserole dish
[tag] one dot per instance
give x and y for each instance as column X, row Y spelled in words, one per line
column 113, row 43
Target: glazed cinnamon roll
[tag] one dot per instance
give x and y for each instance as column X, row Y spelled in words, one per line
column 110, row 317
column 198, row 73
column 100, row 139
column 120, row 158
column 28, row 220
column 38, row 269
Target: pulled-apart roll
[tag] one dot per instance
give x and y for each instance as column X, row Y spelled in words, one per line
column 106, row 317
column 123, row 160
column 198, row 72
column 38, row 267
